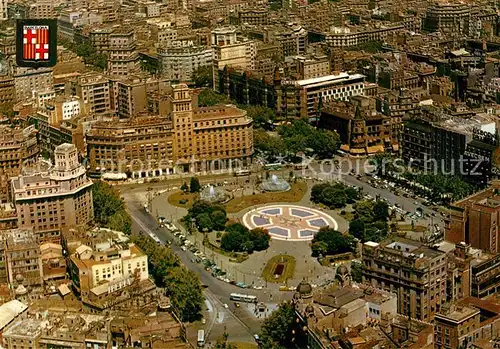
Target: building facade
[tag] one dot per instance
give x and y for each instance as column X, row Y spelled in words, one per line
column 416, row 273
column 179, row 61
column 184, row 137
column 49, row 201
column 474, row 220
column 94, row 91
column 18, row 148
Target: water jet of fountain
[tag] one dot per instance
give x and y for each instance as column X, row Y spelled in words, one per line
column 274, row 179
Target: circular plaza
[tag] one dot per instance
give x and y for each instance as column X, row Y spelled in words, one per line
column 289, row 222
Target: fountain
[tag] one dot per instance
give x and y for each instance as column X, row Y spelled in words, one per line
column 275, row 183
column 213, row 194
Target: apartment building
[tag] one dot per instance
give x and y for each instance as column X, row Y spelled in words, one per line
column 470, row 322
column 41, row 328
column 416, row 273
column 140, row 147
column 23, row 258
column 122, row 56
column 180, row 60
column 309, row 67
column 473, row 220
column 228, row 51
column 214, row 136
column 27, row 80
column 131, row 97
column 18, row 148
column 42, row 96
column 42, row 9
column 99, row 38
column 62, row 108
column 7, row 90
column 362, row 129
column 448, row 17
column 347, row 36
column 341, row 86
column 47, row 201
column 95, row 93
column 250, row 17
column 184, row 137
column 98, row 273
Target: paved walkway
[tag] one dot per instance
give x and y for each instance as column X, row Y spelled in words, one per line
column 249, row 272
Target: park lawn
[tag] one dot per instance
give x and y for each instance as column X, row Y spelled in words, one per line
column 268, row 271
column 175, row 198
column 295, row 194
column 240, row 345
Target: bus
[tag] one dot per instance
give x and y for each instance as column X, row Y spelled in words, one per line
column 272, row 167
column 201, row 338
column 243, row 298
column 241, row 173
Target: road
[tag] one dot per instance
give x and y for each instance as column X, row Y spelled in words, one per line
column 217, row 292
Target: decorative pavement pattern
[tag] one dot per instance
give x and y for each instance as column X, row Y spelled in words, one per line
column 288, row 222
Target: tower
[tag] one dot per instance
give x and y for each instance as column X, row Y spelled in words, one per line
column 182, row 120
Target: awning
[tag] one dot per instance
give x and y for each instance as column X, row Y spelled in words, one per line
column 375, row 149
column 357, row 151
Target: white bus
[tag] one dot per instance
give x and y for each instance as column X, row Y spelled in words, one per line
column 241, row 173
column 243, row 298
column 201, row 338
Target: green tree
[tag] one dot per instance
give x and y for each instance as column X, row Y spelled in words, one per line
column 269, row 144
column 319, row 248
column 234, row 241
column 300, row 136
column 194, row 185
column 335, row 241
column 238, row 238
column 364, row 210
column 377, row 231
column 260, row 238
column 357, row 229
column 109, row 208
column 381, row 211
column 209, row 97
column 120, row 221
column 219, row 219
column 204, row 222
column 181, row 285
column 351, row 195
column 383, row 163
column 260, row 115
column 356, row 271
column 184, row 289
column 280, row 329
column 203, row 76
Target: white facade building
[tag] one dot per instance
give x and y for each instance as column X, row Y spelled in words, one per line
column 179, row 61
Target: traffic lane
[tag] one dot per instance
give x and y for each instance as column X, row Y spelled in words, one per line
column 219, row 288
column 406, row 204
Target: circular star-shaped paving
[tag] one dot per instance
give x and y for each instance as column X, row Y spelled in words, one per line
column 288, row 222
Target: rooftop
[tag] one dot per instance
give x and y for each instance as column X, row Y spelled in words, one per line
column 9, row 311
column 458, row 313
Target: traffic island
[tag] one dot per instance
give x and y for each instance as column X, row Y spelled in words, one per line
column 279, row 269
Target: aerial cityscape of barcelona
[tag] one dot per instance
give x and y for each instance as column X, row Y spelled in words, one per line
column 249, row 174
